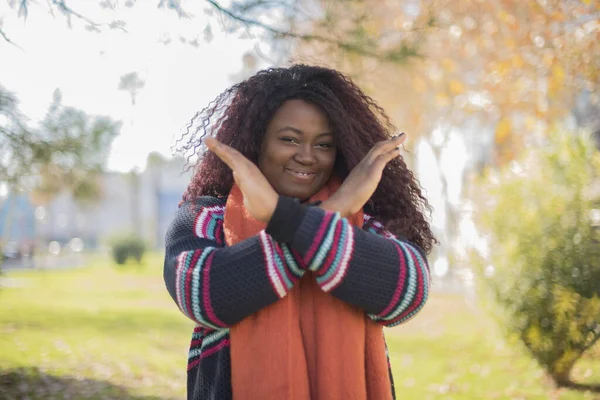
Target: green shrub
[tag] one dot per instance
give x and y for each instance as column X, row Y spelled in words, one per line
column 543, row 263
column 125, row 247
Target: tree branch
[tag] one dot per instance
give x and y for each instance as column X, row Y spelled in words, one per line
column 7, row 39
column 401, row 53
column 346, row 46
column 65, row 9
column 592, row 342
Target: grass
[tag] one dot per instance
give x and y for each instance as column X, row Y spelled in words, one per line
column 454, row 351
column 103, row 332
column 115, row 327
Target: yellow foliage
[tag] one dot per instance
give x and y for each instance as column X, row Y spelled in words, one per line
column 448, row 65
column 558, row 74
column 442, row 100
column 548, row 59
column 503, row 131
column 564, row 304
column 491, row 51
column 504, row 67
column 530, row 123
column 556, row 81
column 545, row 278
column 534, row 335
column 517, row 62
column 456, row 87
column 575, row 333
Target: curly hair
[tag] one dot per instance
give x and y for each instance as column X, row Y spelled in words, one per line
column 239, row 118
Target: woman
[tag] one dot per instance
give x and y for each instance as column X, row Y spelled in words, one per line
column 301, row 235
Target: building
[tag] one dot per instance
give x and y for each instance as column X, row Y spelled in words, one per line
column 142, row 203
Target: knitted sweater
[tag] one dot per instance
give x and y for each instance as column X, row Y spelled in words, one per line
column 217, row 285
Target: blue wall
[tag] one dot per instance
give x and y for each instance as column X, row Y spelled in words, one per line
column 23, row 217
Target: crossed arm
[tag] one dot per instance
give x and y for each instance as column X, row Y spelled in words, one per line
column 218, row 286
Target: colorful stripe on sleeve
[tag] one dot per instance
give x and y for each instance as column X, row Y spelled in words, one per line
column 282, row 270
column 364, row 267
column 192, row 279
column 412, row 288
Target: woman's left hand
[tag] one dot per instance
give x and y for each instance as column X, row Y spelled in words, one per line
column 362, row 181
column 260, row 199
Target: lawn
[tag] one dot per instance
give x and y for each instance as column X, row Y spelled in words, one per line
column 103, row 332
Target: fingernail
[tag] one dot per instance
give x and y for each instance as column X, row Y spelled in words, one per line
column 400, row 134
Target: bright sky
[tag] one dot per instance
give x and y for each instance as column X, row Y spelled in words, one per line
column 87, row 66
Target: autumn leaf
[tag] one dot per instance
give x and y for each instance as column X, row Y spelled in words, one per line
column 456, row 87
column 529, row 61
column 503, row 129
column 558, row 74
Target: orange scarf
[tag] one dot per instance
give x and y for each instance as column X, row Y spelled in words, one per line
column 308, row 345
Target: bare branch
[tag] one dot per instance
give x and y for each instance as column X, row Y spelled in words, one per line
column 346, row 46
column 62, row 6
column 174, row 5
column 237, row 14
column 23, row 11
column 258, row 5
column 50, row 9
column 69, row 11
column 7, row 39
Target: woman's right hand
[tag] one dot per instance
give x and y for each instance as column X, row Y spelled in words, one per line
column 362, row 181
column 260, row 199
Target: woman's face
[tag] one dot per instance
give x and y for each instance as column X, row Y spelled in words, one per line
column 298, row 150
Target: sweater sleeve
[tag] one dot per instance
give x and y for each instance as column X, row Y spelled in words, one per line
column 368, row 268
column 217, row 286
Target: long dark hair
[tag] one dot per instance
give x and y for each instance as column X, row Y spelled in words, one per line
column 239, row 117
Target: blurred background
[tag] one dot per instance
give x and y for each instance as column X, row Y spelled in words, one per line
column 501, row 102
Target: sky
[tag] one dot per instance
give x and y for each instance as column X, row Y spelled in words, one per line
column 86, row 66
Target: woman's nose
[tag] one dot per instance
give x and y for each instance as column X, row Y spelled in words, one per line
column 305, row 155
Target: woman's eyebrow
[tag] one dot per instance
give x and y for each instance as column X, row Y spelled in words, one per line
column 290, row 128
column 300, row 132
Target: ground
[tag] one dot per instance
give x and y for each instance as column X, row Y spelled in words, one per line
column 108, row 332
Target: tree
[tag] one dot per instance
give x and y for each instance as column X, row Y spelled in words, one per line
column 282, row 23
column 14, row 136
column 64, row 151
column 492, row 77
column 131, row 83
column 542, row 265
column 516, row 65
column 72, row 148
column 67, row 151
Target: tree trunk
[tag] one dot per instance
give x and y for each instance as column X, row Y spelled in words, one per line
column 560, row 372
column 136, row 220
column 8, row 222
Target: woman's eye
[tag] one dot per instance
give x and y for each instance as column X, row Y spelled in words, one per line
column 289, row 139
column 325, row 145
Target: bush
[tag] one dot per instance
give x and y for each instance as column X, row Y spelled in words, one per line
column 543, row 263
column 125, row 247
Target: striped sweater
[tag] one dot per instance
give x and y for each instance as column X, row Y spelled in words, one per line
column 217, row 286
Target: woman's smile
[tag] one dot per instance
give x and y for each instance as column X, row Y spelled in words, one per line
column 306, row 177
